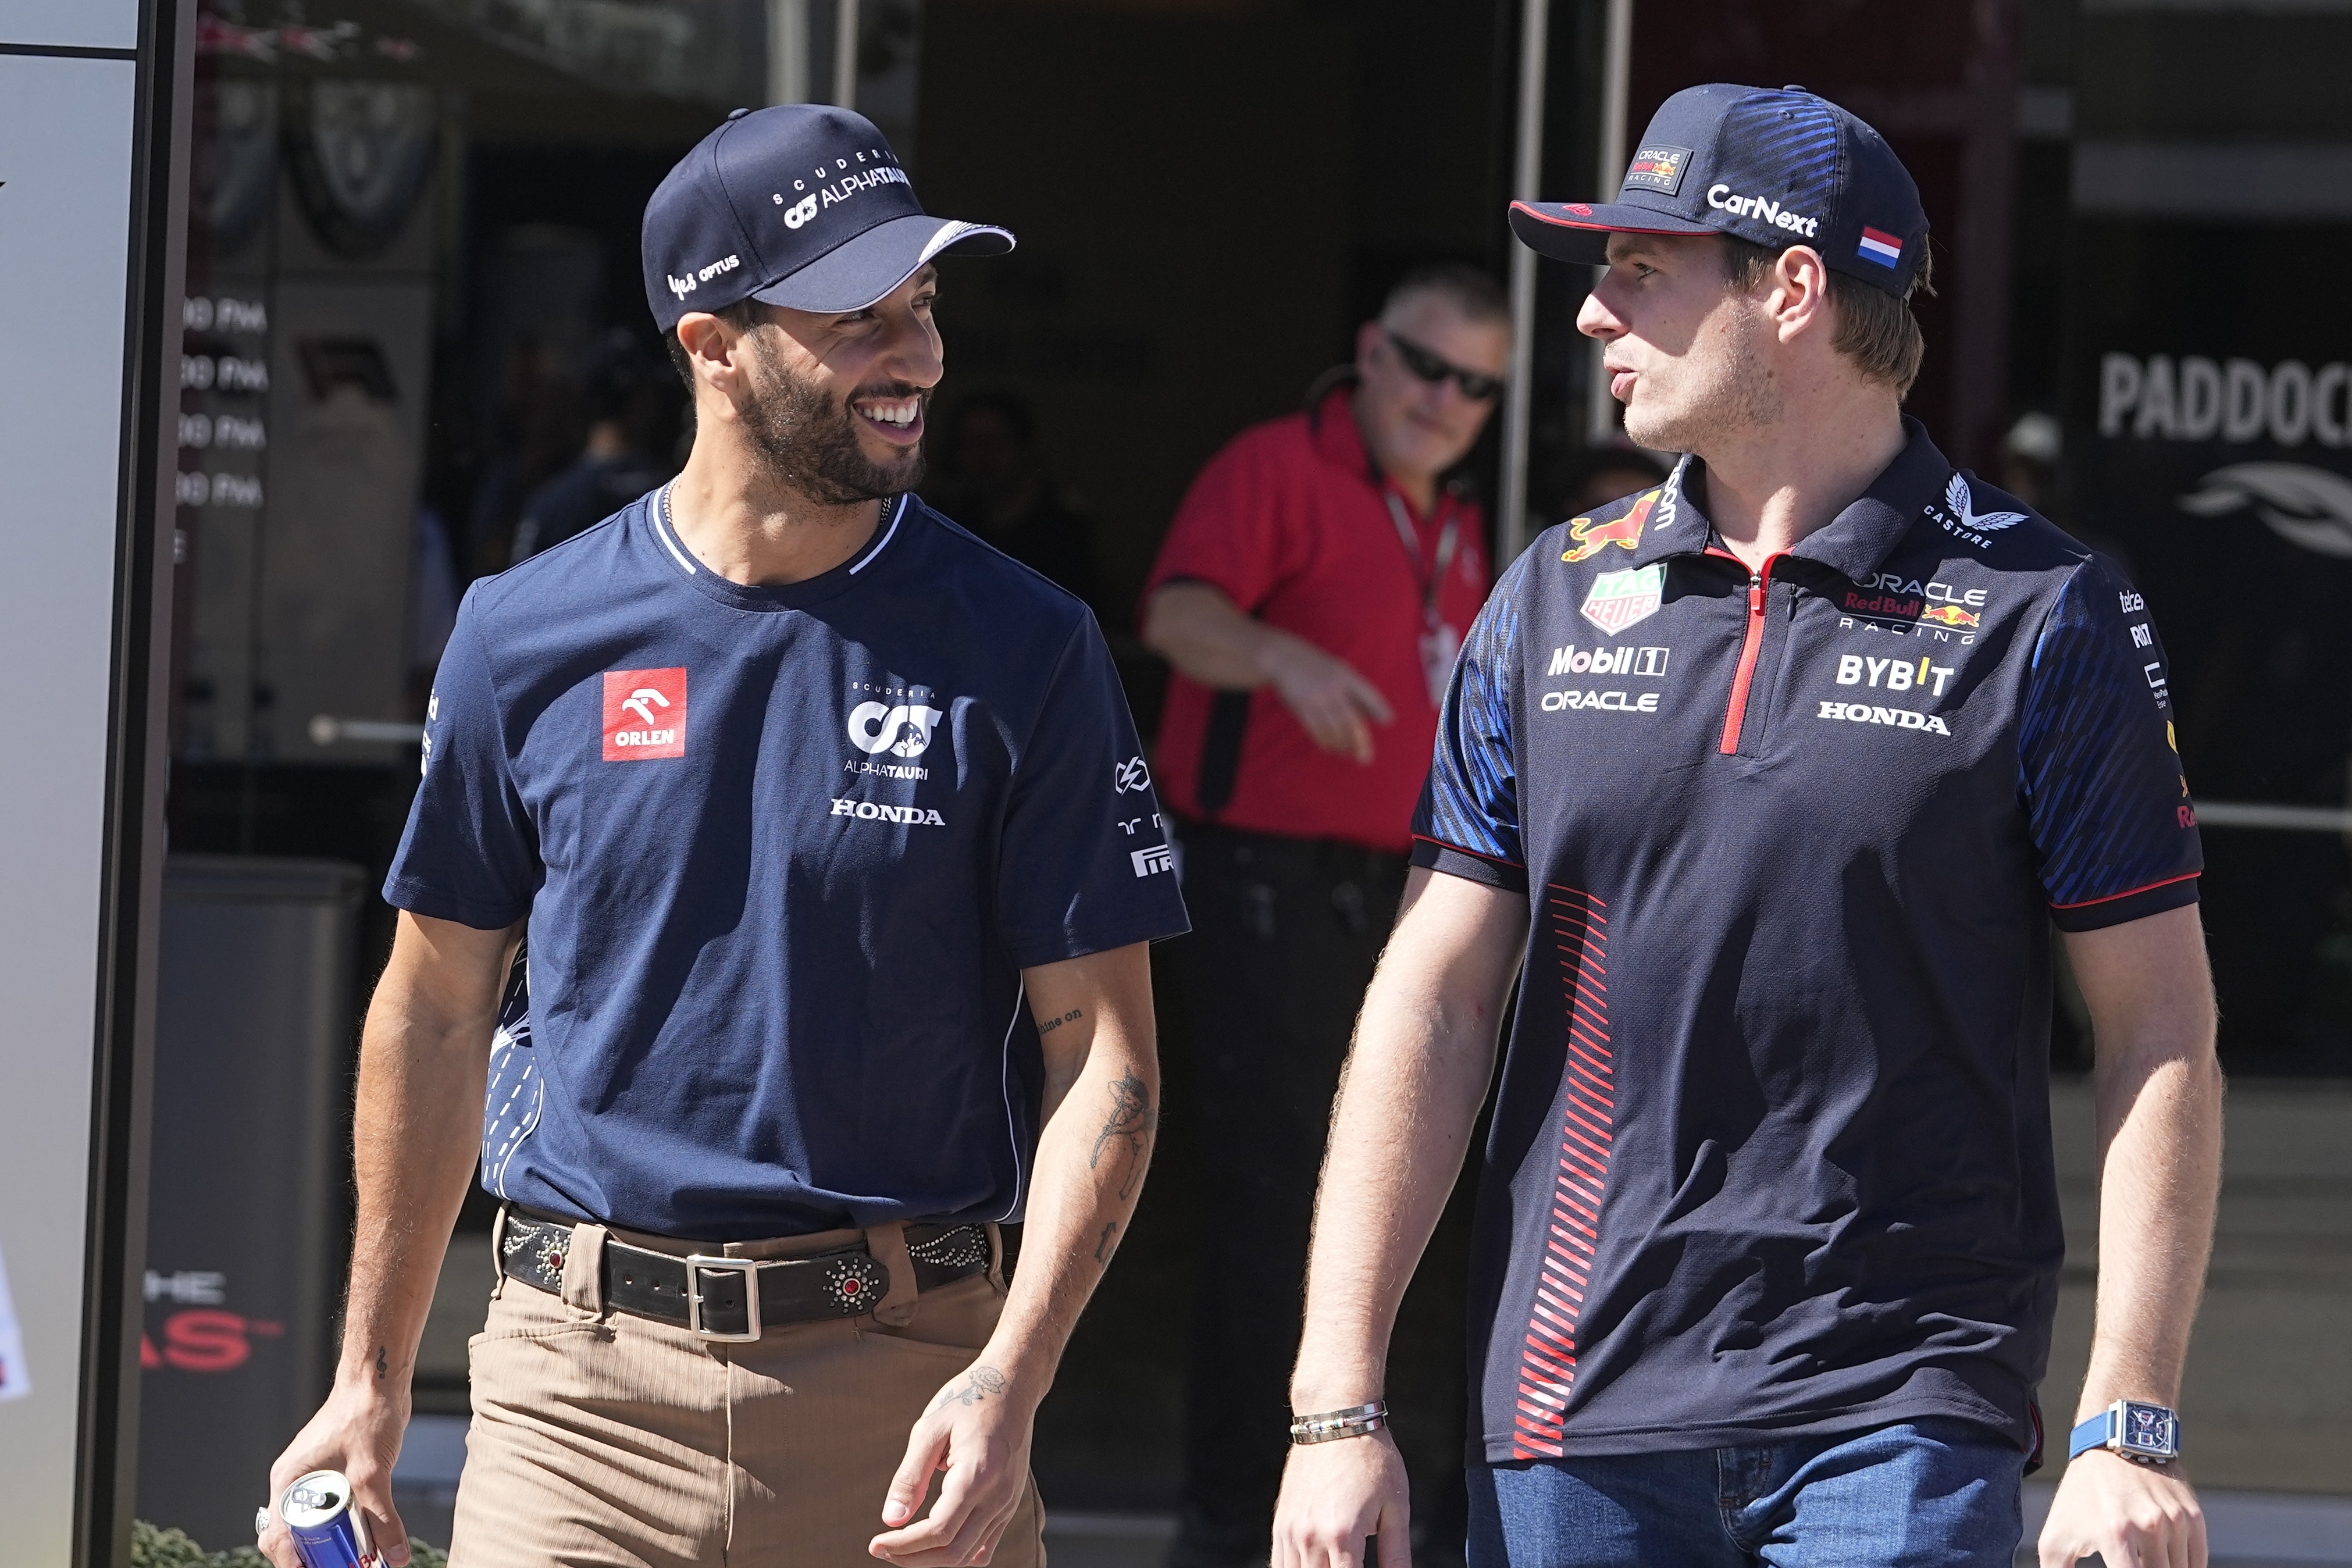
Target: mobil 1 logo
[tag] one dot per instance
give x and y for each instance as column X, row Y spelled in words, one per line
column 1570, row 660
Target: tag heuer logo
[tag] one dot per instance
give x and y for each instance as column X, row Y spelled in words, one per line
column 1618, row 599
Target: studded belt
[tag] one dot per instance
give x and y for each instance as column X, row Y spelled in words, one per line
column 733, row 1297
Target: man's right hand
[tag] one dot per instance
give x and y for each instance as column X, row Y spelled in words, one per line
column 1334, row 1495
column 1336, row 706
column 357, row 1431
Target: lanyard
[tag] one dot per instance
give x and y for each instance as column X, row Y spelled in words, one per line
column 1447, row 541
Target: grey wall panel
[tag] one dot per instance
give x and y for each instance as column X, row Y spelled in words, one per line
column 70, row 23
column 65, row 158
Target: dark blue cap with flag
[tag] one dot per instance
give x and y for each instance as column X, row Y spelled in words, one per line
column 803, row 206
column 1775, row 168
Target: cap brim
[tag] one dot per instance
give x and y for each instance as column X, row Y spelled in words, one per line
column 1579, row 231
column 856, row 272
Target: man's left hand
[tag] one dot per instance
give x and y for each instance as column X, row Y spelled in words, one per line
column 976, row 1436
column 2133, row 1515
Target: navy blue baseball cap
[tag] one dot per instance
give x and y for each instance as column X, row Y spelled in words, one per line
column 1775, row 168
column 802, row 204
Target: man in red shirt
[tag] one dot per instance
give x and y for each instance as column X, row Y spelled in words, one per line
column 1311, row 594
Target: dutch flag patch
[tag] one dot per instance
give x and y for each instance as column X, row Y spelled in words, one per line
column 1885, row 248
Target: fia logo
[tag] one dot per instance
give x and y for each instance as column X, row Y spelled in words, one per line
column 644, row 714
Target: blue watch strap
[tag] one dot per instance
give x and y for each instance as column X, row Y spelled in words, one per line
column 2090, row 1435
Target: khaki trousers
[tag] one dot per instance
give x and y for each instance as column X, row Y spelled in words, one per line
column 601, row 1438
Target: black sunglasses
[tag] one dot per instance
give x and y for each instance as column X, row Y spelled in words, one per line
column 1428, row 367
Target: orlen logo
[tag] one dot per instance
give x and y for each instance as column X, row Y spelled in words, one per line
column 644, row 714
column 801, row 210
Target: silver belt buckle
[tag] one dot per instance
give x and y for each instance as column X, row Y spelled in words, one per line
column 749, row 1267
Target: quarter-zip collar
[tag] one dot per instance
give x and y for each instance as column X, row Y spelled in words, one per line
column 1855, row 543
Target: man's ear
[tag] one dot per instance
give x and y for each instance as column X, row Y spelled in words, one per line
column 1368, row 338
column 712, row 347
column 1800, row 292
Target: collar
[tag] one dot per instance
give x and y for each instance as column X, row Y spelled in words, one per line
column 1854, row 543
column 1331, row 429
column 1332, row 425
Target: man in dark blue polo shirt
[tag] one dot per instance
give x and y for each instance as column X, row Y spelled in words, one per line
column 838, row 861
column 1770, row 783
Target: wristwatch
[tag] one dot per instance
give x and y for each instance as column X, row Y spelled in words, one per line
column 2143, row 1433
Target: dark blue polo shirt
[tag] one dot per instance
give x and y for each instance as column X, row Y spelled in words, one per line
column 785, row 852
column 1772, row 1149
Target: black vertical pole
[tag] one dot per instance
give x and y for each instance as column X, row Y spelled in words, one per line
column 106, row 1442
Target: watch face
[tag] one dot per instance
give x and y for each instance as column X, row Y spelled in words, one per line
column 2150, row 1429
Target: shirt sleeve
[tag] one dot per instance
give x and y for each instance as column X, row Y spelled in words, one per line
column 1467, row 824
column 1085, row 864
column 2106, row 799
column 470, row 853
column 1227, row 530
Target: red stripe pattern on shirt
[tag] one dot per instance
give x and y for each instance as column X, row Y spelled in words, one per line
column 1588, row 1121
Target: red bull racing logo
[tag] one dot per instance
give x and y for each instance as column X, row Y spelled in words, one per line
column 1910, row 607
column 1625, row 532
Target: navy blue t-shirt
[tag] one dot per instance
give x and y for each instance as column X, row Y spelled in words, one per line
column 1771, row 1152
column 785, row 852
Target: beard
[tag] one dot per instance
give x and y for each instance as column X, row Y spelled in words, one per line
column 1712, row 398
column 804, row 439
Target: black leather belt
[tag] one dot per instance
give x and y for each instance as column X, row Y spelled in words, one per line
column 715, row 1297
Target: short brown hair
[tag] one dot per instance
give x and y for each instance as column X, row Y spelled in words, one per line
column 742, row 315
column 1875, row 329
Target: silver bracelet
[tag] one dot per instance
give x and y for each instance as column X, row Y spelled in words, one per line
column 1356, row 1421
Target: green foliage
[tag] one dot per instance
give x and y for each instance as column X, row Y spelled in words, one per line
column 153, row 1548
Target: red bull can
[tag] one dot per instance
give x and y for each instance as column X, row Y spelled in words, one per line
column 327, row 1532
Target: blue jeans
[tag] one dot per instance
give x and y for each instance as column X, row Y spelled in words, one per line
column 1926, row 1494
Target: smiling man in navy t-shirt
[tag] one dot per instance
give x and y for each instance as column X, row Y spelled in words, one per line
column 1766, row 786
column 838, row 861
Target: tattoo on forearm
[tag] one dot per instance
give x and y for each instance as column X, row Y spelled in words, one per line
column 1129, row 1125
column 380, row 1363
column 1050, row 1024
column 978, row 1384
column 1106, row 1246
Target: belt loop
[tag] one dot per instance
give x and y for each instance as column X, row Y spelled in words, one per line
column 886, row 1243
column 499, row 1253
column 996, row 1255
column 583, row 1268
